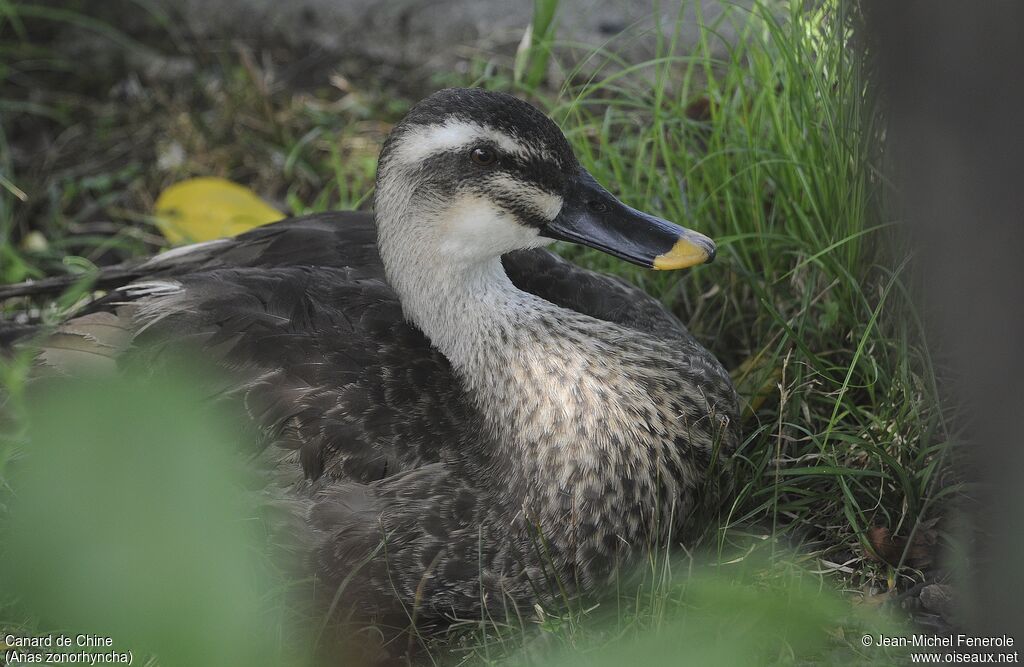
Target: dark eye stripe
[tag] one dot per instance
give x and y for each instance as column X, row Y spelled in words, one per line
column 446, row 173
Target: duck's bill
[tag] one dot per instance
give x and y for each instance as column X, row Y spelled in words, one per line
column 591, row 216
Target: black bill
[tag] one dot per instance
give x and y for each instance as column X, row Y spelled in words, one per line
column 591, row 216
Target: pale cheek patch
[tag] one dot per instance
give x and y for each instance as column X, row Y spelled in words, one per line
column 548, row 204
column 545, row 204
column 475, row 228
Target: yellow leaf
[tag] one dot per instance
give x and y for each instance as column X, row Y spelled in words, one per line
column 203, row 209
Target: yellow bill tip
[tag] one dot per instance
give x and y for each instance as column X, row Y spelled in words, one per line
column 684, row 254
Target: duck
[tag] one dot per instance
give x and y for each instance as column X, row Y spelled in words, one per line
column 461, row 423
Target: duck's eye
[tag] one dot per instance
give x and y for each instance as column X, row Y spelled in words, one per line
column 484, row 157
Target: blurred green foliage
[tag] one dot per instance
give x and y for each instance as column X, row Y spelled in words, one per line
column 131, row 515
column 534, row 55
column 754, row 617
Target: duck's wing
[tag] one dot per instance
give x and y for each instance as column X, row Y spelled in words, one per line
column 347, row 240
column 355, row 414
column 321, row 358
column 336, row 239
column 340, row 240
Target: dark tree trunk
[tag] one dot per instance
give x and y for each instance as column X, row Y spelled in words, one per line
column 953, row 74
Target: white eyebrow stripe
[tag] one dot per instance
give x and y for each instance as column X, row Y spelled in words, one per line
column 420, row 143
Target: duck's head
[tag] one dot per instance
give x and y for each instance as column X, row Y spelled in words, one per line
column 469, row 175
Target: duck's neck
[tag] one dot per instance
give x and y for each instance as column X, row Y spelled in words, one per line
column 569, row 399
column 472, row 313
